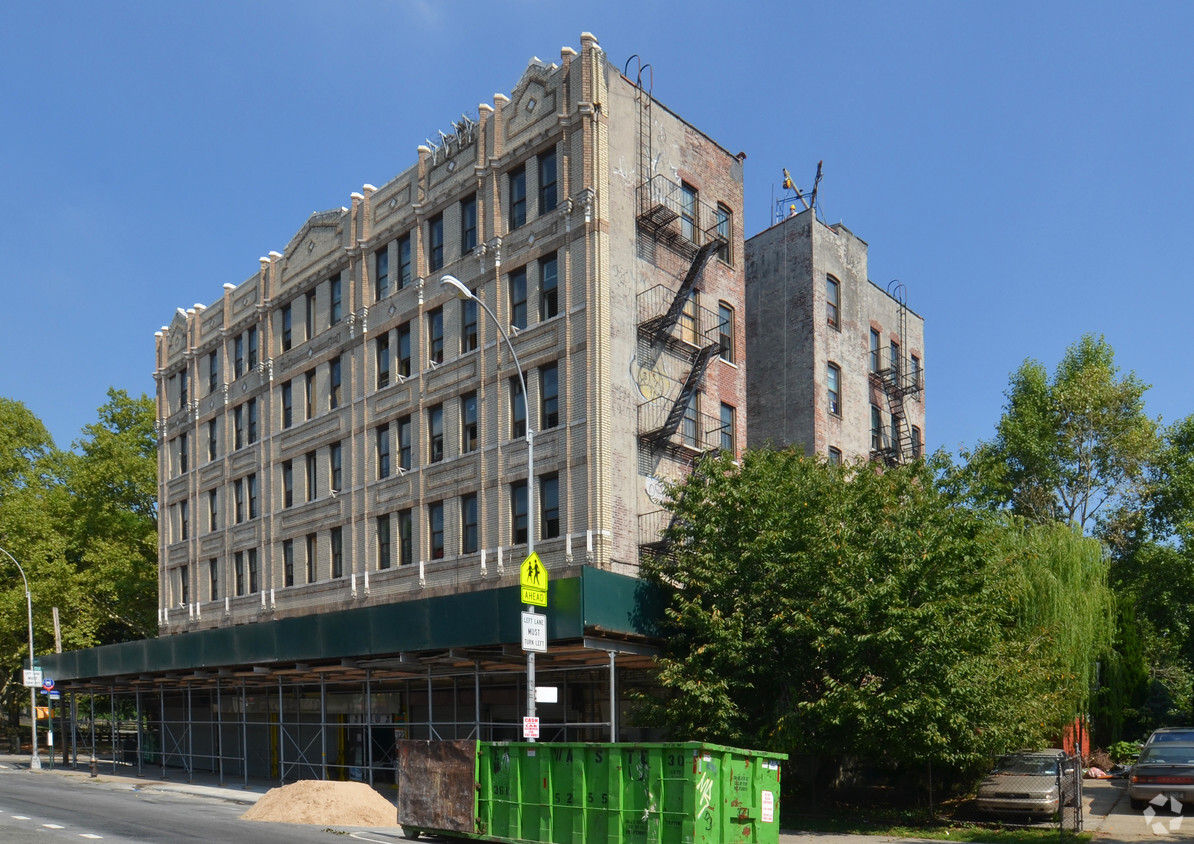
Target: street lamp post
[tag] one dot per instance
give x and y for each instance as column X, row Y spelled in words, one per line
column 35, row 760
column 456, row 286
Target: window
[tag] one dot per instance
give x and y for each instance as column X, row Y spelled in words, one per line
column 518, row 298
column 549, row 395
column 894, row 352
column 435, row 433
column 383, row 451
column 688, row 318
column 312, row 476
column 337, row 536
column 406, row 538
column 238, row 500
column 184, row 586
column 287, row 483
column 335, row 304
column 518, row 197
column 252, row 570
column 238, row 356
column 689, row 432
column 547, row 181
column 213, row 578
column 518, row 410
column 874, row 350
column 729, row 434
column 183, row 463
column 309, row 315
column 435, row 242
column 897, row 425
column 468, row 423
column 688, row 211
column 914, row 363
column 405, row 267
column 252, row 421
column 239, row 564
column 312, row 557
column 833, row 378
column 876, row 429
column 435, row 335
column 468, row 224
column 252, row 485
column 469, row 532
column 549, row 506
column 287, row 405
column 835, row 456
column 334, row 383
column 468, row 325
column 238, row 426
column 435, row 524
column 287, row 333
column 518, row 512
column 917, row 450
column 213, row 442
column 549, row 288
column 725, row 332
column 336, row 466
column 288, row 562
column 404, row 443
column 381, row 348
column 184, row 519
column 725, row 229
column 184, row 389
column 381, row 273
column 213, row 372
column 213, row 511
column 833, row 302
column 383, row 542
column 252, row 348
column 309, row 395
column 404, row 350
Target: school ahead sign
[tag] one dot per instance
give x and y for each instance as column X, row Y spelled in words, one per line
column 533, row 580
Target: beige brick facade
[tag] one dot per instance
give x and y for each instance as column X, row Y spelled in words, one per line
column 338, row 430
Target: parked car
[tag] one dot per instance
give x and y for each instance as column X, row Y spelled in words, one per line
column 1027, row 783
column 1165, row 768
column 1170, row 734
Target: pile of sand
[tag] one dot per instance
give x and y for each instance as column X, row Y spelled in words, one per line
column 324, row 802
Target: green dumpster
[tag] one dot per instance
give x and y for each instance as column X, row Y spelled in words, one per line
column 573, row 793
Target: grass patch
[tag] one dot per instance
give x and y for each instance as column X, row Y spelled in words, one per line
column 940, row 830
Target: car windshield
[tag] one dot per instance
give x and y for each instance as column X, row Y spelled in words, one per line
column 1167, row 755
column 1027, row 765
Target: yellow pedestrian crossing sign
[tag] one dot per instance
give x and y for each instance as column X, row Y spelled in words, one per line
column 532, row 577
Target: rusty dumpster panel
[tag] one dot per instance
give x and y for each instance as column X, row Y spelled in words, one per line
column 437, row 785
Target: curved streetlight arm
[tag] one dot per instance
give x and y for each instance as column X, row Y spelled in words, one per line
column 454, row 284
column 34, row 761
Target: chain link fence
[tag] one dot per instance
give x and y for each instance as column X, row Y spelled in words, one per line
column 1039, row 790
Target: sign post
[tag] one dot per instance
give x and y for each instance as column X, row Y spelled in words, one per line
column 532, row 581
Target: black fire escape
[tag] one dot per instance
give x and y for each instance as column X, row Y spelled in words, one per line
column 891, row 374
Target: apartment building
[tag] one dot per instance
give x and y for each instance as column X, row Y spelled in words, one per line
column 836, row 361
column 343, row 440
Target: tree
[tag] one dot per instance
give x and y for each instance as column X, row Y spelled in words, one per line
column 844, row 611
column 1069, row 448
column 110, row 481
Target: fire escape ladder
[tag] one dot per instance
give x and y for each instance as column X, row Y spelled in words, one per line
column 691, row 383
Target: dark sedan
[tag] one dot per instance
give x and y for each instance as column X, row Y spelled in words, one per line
column 1164, row 769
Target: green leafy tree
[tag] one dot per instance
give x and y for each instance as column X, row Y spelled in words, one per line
column 110, row 481
column 1070, row 448
column 843, row 611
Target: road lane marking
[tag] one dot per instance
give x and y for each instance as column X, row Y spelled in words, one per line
column 53, row 826
column 20, row 817
column 89, row 835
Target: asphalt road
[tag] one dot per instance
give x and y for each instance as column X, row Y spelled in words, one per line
column 47, row 808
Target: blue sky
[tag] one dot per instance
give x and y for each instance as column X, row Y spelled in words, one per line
column 1023, row 168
